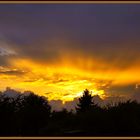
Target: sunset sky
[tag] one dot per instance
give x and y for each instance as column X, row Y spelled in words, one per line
column 58, row 50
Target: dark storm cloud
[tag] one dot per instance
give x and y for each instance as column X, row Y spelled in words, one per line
column 78, row 21
column 56, row 104
column 56, row 17
column 58, row 81
column 4, row 61
column 120, row 90
column 12, row 72
column 102, row 30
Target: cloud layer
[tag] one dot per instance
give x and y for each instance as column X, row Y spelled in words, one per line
column 60, row 49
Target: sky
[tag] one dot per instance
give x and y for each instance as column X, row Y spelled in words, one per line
column 58, row 50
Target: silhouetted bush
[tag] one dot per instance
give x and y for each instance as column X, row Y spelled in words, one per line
column 34, row 114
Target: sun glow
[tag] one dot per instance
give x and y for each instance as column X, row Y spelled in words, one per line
column 62, row 80
column 53, row 81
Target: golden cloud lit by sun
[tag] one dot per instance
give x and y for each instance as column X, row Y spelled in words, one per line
column 64, row 81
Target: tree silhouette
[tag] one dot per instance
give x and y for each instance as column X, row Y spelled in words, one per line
column 34, row 114
column 30, row 115
column 85, row 102
column 7, row 110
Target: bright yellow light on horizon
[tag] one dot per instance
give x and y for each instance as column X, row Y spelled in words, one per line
column 55, row 82
column 62, row 81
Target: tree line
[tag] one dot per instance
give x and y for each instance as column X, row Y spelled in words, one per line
column 31, row 115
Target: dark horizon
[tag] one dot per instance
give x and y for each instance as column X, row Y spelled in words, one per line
column 31, row 115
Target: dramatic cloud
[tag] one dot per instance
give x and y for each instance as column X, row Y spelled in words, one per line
column 58, row 50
